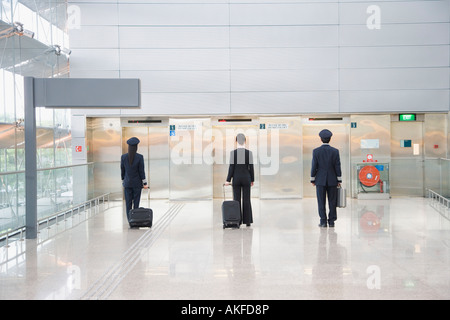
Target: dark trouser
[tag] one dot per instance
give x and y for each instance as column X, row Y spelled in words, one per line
column 322, row 193
column 241, row 190
column 132, row 199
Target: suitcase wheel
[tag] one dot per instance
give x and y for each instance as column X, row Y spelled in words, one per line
column 234, row 226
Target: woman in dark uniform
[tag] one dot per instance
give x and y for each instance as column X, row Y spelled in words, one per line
column 242, row 172
column 133, row 175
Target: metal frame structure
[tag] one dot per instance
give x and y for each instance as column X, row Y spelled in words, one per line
column 66, row 93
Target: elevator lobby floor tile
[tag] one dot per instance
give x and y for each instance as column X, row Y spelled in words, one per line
column 379, row 249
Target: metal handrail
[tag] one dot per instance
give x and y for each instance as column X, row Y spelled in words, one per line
column 441, row 199
column 82, row 204
column 20, row 230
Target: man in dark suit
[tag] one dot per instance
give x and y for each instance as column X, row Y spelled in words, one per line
column 133, row 175
column 242, row 172
column 326, row 176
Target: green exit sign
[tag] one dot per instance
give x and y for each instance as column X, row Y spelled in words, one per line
column 407, row 117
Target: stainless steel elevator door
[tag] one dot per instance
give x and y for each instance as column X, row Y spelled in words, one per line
column 154, row 146
column 189, row 164
column 224, row 141
column 104, row 136
column 407, row 159
column 311, row 140
column 280, row 155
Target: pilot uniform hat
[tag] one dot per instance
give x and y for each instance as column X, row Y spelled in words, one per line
column 133, row 141
column 325, row 134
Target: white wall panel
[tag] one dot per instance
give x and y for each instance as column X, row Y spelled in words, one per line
column 372, row 2
column 182, row 103
column 385, row 79
column 272, row 1
column 394, row 100
column 284, row 58
column 94, row 59
column 96, row 112
column 78, row 73
column 267, row 56
column 174, row 59
column 284, row 80
column 394, row 35
column 174, row 37
column 284, row 14
column 172, row 1
column 98, row 14
column 94, row 37
column 284, row 36
column 391, row 56
column 75, row 2
column 181, row 81
column 284, row 102
column 173, row 14
column 395, row 12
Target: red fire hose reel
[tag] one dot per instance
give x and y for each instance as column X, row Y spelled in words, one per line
column 369, row 176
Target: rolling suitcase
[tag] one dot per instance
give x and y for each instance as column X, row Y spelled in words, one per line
column 141, row 217
column 341, row 198
column 231, row 213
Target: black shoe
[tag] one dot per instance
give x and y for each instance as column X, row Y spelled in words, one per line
column 322, row 225
column 248, row 224
column 331, row 225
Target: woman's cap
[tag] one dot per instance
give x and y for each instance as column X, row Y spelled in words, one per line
column 133, row 141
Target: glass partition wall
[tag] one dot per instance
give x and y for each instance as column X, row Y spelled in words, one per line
column 438, row 173
column 33, row 42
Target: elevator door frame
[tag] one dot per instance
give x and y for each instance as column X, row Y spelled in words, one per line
column 407, row 169
column 156, row 163
column 281, row 158
column 190, row 169
column 220, row 170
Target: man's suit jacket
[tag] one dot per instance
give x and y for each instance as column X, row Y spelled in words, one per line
column 326, row 166
column 133, row 175
column 241, row 165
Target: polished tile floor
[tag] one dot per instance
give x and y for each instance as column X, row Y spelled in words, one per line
column 379, row 249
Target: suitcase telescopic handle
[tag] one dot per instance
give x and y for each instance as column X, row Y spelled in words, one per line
column 223, row 188
column 148, row 192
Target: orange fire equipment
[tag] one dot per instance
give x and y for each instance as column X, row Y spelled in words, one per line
column 369, row 176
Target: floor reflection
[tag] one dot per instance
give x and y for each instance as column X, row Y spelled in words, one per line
column 238, row 258
column 373, row 218
column 328, row 272
column 388, row 249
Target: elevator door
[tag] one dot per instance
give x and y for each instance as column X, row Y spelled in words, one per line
column 154, row 146
column 407, row 160
column 189, row 165
column 339, row 140
column 280, row 157
column 224, row 141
